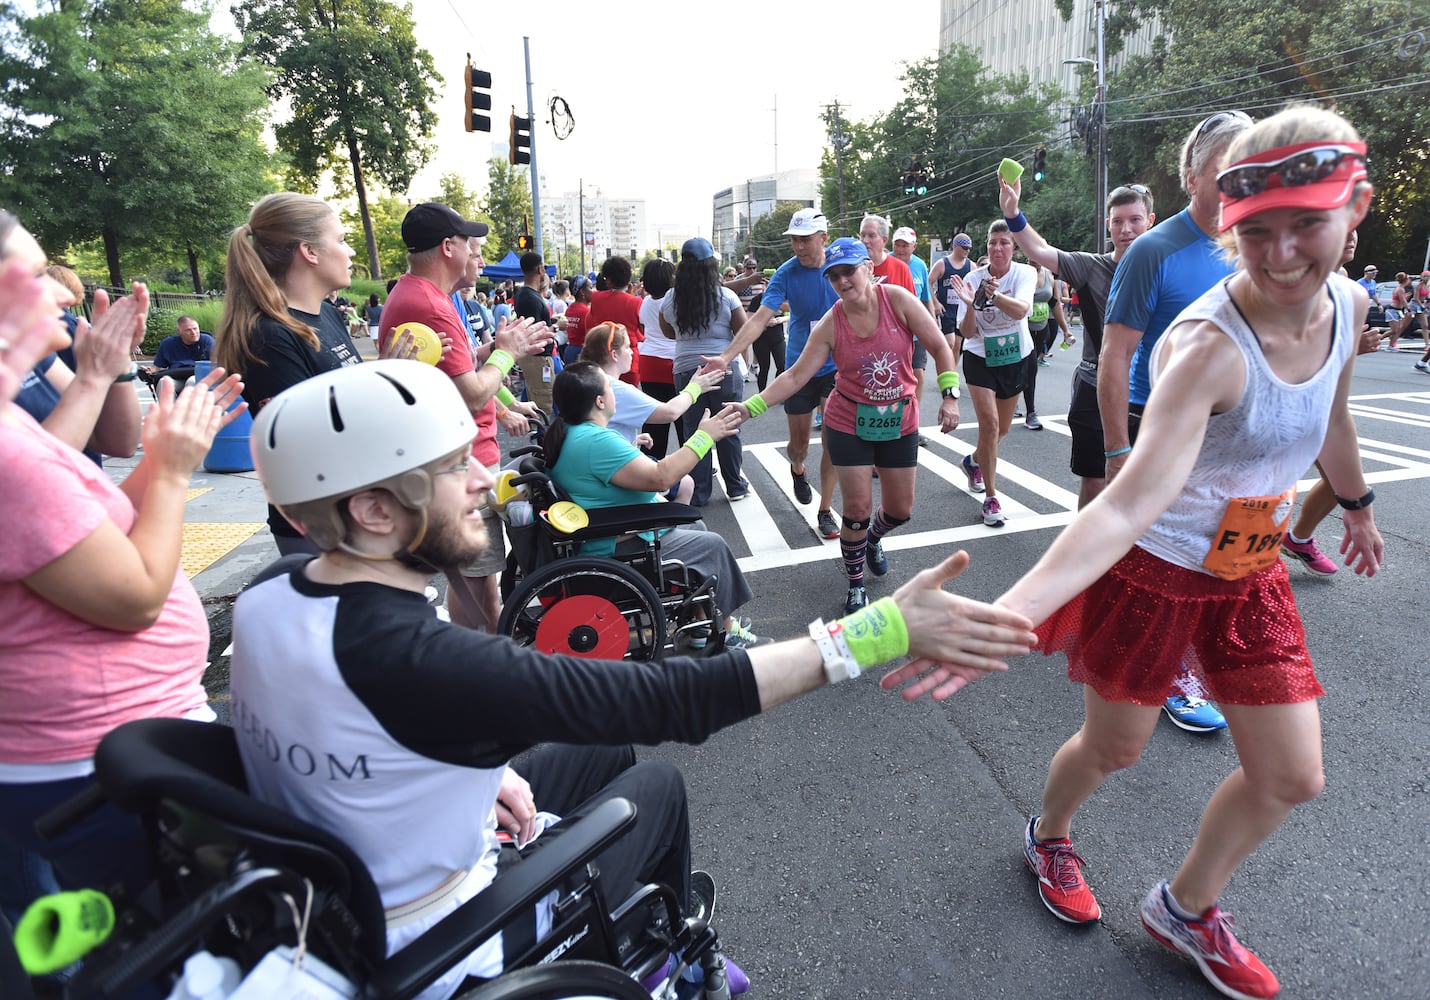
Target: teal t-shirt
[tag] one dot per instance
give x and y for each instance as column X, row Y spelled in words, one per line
column 590, row 456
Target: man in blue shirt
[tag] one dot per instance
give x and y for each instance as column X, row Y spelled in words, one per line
column 1161, row 274
column 179, row 352
column 799, row 285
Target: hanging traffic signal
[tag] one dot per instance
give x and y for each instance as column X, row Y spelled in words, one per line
column 520, row 139
column 915, row 177
column 523, row 242
column 478, row 99
column 1040, row 164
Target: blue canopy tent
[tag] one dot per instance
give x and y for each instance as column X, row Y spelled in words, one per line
column 510, row 267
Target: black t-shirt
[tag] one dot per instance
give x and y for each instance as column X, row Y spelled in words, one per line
column 529, row 303
column 288, row 361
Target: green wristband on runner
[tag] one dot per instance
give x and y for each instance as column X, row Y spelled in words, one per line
column 755, row 405
column 876, row 633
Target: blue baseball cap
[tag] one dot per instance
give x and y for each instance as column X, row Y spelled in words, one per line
column 697, row 247
column 845, row 250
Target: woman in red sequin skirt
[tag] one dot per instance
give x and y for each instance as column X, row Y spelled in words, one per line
column 1179, row 557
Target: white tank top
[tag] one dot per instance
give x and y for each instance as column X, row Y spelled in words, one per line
column 1263, row 444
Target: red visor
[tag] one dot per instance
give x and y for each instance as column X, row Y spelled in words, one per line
column 1312, row 175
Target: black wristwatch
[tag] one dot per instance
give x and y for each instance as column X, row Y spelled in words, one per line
column 1360, row 504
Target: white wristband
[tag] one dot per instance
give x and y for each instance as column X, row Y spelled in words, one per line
column 836, row 667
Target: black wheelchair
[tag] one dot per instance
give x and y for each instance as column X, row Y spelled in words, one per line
column 634, row 605
column 239, row 879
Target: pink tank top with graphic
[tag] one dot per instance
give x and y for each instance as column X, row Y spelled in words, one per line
column 875, row 370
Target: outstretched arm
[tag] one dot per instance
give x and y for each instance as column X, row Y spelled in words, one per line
column 1034, row 247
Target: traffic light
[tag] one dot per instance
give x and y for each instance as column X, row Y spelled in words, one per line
column 915, row 177
column 1040, row 164
column 520, row 139
column 523, row 242
column 479, row 99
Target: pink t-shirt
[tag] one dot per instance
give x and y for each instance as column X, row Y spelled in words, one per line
column 415, row 299
column 877, row 369
column 64, row 683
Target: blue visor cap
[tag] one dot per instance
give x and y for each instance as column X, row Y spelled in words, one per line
column 845, row 250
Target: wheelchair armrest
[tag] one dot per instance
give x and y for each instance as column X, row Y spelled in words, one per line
column 608, row 521
column 457, row 935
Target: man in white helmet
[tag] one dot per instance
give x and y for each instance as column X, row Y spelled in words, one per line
column 361, row 711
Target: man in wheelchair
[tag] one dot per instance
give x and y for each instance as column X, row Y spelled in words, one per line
column 361, row 712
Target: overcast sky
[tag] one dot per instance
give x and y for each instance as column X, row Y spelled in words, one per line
column 675, row 109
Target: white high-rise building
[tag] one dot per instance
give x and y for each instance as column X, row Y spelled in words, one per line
column 1032, row 37
column 614, row 225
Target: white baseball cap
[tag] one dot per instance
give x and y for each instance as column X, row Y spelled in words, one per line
column 807, row 222
column 906, row 235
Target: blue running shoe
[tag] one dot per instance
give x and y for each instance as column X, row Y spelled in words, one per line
column 856, row 599
column 1195, row 715
column 878, row 562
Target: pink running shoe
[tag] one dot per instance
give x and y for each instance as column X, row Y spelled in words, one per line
column 1316, row 560
column 1209, row 942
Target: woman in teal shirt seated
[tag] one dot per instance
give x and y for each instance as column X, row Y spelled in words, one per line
column 597, row 467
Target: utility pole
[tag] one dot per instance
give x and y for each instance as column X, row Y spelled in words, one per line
column 839, row 140
column 1097, row 124
column 531, row 117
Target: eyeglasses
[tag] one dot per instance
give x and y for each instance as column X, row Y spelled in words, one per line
column 1309, row 166
column 1213, row 122
column 461, row 467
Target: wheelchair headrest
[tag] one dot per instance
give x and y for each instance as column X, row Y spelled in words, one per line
column 196, row 766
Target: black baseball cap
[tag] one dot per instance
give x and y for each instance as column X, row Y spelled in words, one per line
column 426, row 225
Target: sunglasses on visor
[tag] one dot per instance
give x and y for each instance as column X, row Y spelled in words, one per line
column 1309, row 166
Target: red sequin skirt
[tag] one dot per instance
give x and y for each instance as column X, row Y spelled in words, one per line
column 1127, row 634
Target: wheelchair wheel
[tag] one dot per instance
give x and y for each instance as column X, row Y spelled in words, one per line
column 561, row 981
column 590, row 607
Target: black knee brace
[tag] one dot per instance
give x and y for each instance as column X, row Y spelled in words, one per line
column 892, row 521
column 854, row 525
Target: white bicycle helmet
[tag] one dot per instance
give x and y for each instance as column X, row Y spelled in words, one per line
column 363, row 426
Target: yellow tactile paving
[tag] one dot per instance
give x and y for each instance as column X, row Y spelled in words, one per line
column 197, row 491
column 206, row 543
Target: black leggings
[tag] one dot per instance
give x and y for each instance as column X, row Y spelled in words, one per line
column 572, row 781
column 770, row 349
column 660, row 433
column 1042, row 344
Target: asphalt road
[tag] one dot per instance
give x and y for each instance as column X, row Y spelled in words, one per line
column 866, row 847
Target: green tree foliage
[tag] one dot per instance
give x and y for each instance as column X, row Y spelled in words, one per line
column 131, row 123
column 385, row 212
column 358, row 85
column 1369, row 61
column 959, row 121
column 508, row 205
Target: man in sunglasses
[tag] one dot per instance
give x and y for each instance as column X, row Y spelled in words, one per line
column 1161, row 274
column 1129, row 215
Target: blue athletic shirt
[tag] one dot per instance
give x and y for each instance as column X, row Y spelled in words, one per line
column 809, row 296
column 1164, row 271
column 920, row 273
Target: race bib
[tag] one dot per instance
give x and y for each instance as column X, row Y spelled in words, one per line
column 1003, row 350
column 1249, row 536
column 1040, row 313
column 879, row 423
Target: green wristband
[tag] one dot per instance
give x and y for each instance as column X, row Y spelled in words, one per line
column 947, row 380
column 876, row 633
column 692, row 390
column 60, row 929
column 126, row 377
column 700, row 443
column 755, row 405
column 504, row 397
column 501, row 361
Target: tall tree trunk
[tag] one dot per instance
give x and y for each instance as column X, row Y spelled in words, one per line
column 111, row 255
column 194, row 269
column 374, row 265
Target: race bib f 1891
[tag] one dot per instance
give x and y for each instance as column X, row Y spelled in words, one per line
column 1249, row 536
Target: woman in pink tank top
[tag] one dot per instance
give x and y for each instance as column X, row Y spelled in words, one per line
column 872, row 418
